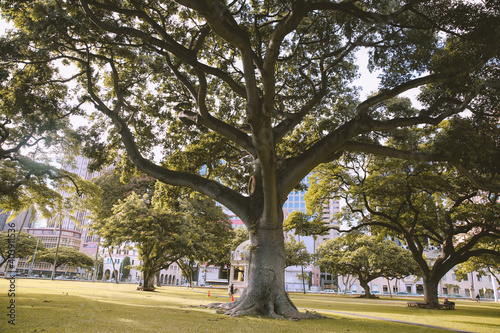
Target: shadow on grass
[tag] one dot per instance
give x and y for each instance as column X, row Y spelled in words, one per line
column 86, row 307
column 76, row 313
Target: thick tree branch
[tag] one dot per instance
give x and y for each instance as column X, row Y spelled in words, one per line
column 168, row 43
column 223, row 194
column 281, row 30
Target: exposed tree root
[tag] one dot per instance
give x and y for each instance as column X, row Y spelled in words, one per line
column 280, row 308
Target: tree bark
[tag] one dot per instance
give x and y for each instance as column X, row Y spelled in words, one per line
column 149, row 280
column 265, row 294
column 53, row 276
column 366, row 287
column 431, row 289
column 113, row 263
column 158, row 280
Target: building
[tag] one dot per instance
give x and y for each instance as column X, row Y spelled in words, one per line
column 49, row 237
column 73, row 233
column 112, row 264
column 293, row 275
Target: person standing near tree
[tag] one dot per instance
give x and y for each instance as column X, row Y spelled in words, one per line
column 478, row 297
column 231, row 290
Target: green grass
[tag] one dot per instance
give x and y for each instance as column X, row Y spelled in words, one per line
column 74, row 306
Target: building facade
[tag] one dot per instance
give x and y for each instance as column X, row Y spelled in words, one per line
column 48, row 238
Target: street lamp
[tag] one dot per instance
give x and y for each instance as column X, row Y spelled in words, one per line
column 34, row 256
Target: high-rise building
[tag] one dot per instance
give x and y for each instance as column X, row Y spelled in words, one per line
column 316, row 280
column 73, row 234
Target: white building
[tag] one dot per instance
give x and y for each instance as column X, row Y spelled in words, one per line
column 170, row 276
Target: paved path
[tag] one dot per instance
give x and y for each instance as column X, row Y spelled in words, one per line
column 387, row 319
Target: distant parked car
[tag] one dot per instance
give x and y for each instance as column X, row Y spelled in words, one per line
column 111, row 280
column 402, row 293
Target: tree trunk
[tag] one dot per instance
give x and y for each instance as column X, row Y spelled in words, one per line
column 57, row 250
column 366, row 287
column 158, row 280
column 96, row 261
column 431, row 290
column 149, row 280
column 265, row 294
column 113, row 264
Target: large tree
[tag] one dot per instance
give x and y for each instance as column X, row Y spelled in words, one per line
column 439, row 216
column 366, row 257
column 259, row 93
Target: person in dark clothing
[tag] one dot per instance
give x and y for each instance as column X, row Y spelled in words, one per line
column 447, row 302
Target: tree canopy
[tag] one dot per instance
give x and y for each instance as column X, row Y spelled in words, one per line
column 436, row 212
column 154, row 232
column 34, row 127
column 24, row 246
column 245, row 98
column 366, row 257
column 65, row 256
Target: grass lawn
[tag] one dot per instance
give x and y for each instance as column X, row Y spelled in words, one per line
column 75, row 306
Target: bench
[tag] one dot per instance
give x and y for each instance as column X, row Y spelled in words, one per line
column 417, row 304
column 422, row 305
column 448, row 306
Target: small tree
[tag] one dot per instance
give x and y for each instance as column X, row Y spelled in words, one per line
column 207, row 235
column 65, row 256
column 297, row 255
column 483, row 265
column 152, row 230
column 364, row 256
column 25, row 246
